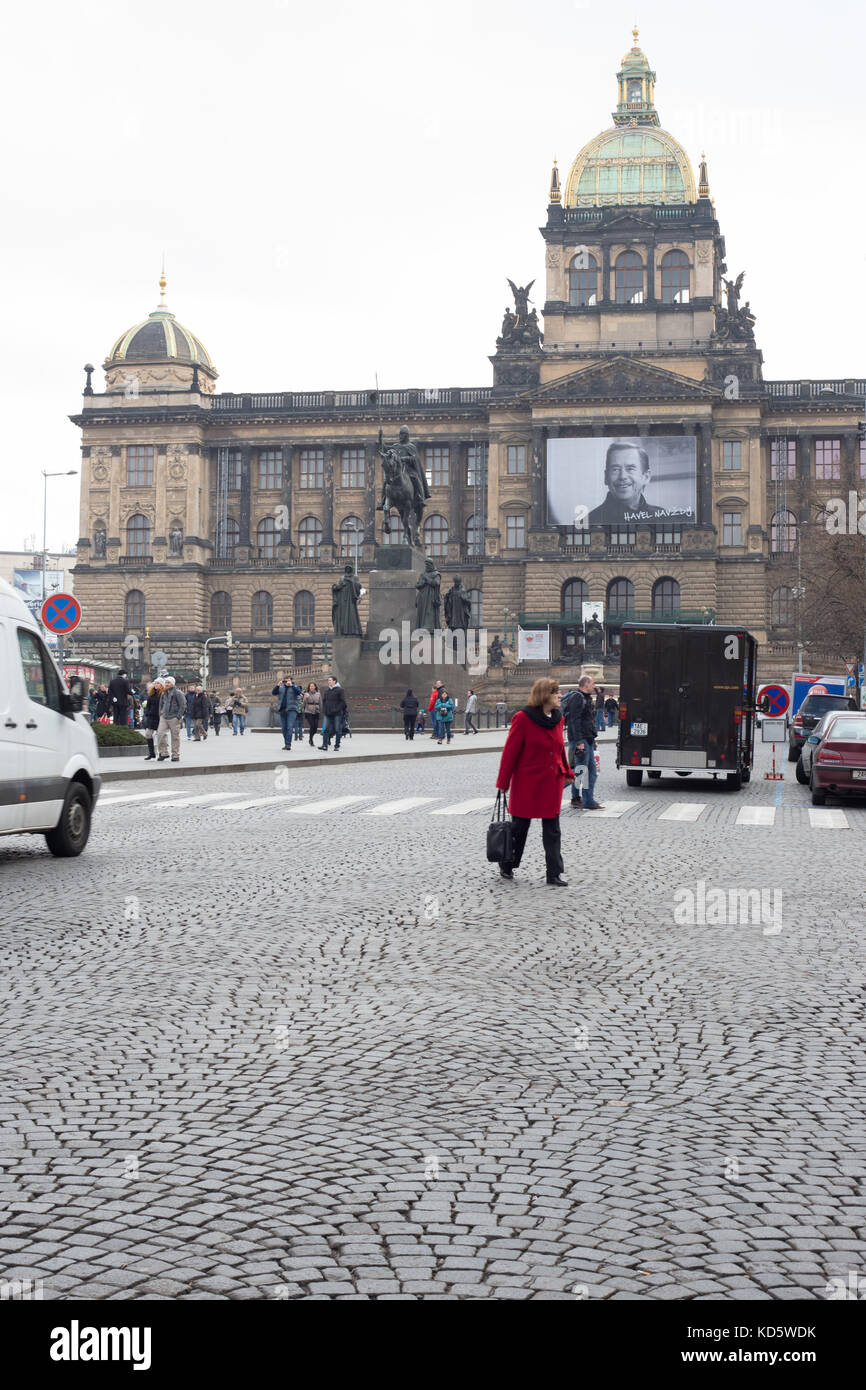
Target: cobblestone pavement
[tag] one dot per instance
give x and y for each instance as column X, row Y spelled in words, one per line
column 277, row 1050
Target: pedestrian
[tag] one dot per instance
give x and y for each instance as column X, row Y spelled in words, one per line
column 333, row 711
column 599, row 710
column 444, row 712
column 219, row 710
column 533, row 770
column 410, row 704
column 288, row 695
column 93, row 703
column 611, row 709
column 239, row 707
column 120, row 695
column 421, row 726
column 431, row 709
column 312, row 705
column 189, row 717
column 201, row 710
column 172, row 709
column 150, row 719
column 582, row 733
column 470, row 712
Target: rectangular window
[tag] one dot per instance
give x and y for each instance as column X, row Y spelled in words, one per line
column 783, row 459
column 828, row 459
column 621, row 535
column 863, row 458
column 312, row 468
column 574, row 537
column 261, row 658
column 303, row 656
column 732, row 456
column 352, row 469
column 437, row 461
column 515, row 533
column 234, row 469
column 139, row 465
column 219, row 659
column 270, row 468
column 732, row 528
column 669, row 535
column 476, row 465
column 516, row 458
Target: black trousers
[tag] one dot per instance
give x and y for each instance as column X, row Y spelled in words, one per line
column 409, row 725
column 551, row 838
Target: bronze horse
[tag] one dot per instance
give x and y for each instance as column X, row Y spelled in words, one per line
column 401, row 494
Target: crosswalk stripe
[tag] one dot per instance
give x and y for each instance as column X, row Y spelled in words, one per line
column 113, row 799
column 825, row 818
column 613, row 810
column 463, row 808
column 756, row 815
column 256, row 801
column 684, row 810
column 395, row 808
column 318, row 808
column 199, row 800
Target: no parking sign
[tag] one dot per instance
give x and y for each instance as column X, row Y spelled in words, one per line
column 778, row 700
column 61, row 613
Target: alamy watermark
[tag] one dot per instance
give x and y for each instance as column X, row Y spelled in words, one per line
column 846, row 518
column 408, row 646
column 703, row 906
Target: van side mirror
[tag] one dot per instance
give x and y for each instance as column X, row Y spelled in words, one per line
column 77, row 694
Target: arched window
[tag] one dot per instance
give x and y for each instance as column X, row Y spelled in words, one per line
column 262, row 610
column 666, row 596
column 220, row 611
column 782, row 608
column 620, row 596
column 351, row 536
column 134, row 614
column 267, row 538
column 310, row 538
column 475, row 535
column 574, row 593
column 305, row 610
column 228, row 538
column 675, row 278
column 783, row 533
column 475, row 609
column 435, row 532
column 138, row 535
column 628, row 278
column 583, row 279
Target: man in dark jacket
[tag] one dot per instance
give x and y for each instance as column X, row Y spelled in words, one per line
column 189, row 717
column 409, row 705
column 287, row 707
column 201, row 711
column 334, row 712
column 580, row 725
column 119, row 692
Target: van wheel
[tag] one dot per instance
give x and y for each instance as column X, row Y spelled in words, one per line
column 734, row 780
column 634, row 777
column 654, row 775
column 800, row 774
column 72, row 831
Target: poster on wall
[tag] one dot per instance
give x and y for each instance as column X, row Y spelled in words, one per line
column 533, row 644
column 622, row 481
column 28, row 583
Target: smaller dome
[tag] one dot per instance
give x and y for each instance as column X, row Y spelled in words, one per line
column 160, row 338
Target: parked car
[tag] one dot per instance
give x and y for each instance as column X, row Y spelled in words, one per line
column 807, row 716
column 803, row 770
column 837, row 760
column 49, row 778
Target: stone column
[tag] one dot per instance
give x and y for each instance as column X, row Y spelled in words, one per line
column 328, row 494
column 245, row 500
column 370, row 459
column 537, row 475
column 705, row 476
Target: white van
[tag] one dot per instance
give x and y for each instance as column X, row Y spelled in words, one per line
column 48, row 755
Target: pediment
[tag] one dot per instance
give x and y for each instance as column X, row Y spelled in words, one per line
column 621, row 379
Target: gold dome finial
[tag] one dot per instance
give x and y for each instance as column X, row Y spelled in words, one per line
column 635, row 33
column 162, row 284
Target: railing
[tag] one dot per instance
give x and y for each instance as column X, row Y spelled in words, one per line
column 133, row 560
column 677, row 213
column 806, row 390
column 668, row 549
column 352, row 400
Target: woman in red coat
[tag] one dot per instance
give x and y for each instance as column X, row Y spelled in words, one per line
column 534, row 770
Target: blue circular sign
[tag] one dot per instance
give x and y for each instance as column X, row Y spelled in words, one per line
column 61, row 613
column 778, row 699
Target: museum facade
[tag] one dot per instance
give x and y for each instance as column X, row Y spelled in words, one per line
column 205, row 512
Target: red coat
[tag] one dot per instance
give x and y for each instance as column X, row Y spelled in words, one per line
column 533, row 768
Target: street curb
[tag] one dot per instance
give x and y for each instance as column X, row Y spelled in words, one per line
column 191, row 771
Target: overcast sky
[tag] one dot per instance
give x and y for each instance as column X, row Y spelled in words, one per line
column 343, row 189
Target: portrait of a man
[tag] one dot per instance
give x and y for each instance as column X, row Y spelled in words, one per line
column 627, row 474
column 621, row 481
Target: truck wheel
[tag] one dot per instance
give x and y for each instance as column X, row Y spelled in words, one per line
column 72, row 830
column 655, row 775
column 684, row 774
column 746, row 775
column 634, row 776
column 793, row 753
column 734, row 780
column 800, row 774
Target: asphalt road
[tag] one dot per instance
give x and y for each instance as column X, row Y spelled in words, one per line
column 257, row 1045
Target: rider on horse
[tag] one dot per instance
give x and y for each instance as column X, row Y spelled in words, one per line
column 404, row 452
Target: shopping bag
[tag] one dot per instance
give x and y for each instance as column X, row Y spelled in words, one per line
column 499, row 832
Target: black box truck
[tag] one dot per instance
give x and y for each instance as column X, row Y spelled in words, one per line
column 686, row 701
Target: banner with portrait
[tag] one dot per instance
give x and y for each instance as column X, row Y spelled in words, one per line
column 626, row 481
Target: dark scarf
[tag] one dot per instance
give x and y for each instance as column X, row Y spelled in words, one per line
column 544, row 721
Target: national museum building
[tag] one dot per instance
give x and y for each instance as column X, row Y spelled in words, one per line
column 631, row 455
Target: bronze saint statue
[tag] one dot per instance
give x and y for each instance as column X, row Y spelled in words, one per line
column 428, row 601
column 344, row 609
column 458, row 606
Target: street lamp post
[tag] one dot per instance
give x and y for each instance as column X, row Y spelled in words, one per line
column 67, row 473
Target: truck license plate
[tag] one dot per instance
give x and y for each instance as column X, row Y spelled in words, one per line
column 639, row 730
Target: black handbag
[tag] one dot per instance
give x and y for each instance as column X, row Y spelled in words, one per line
column 499, row 833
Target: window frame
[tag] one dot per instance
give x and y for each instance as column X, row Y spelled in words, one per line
column 225, row 612
column 271, row 466
column 317, row 471
column 307, row 607
column 144, row 465
column 670, row 292
column 353, row 465
column 436, row 537
column 515, row 525
column 129, row 625
column 310, row 526
column 437, row 465
column 516, row 456
column 255, row 602
column 627, row 264
column 732, row 525
column 140, row 547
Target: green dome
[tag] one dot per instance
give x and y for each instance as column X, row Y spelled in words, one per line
column 630, row 165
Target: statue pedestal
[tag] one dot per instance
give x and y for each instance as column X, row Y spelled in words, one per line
column 392, row 588
column 593, row 668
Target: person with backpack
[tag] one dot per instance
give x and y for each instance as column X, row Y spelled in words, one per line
column 287, row 707
column 410, row 704
column 443, row 712
column 582, row 732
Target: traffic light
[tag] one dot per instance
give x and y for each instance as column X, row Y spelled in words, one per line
column 861, row 429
